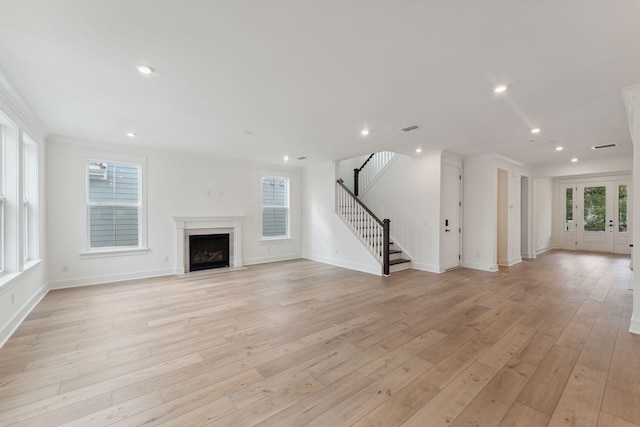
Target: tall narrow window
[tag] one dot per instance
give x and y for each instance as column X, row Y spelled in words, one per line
column 29, row 198
column 114, row 204
column 622, row 208
column 2, row 204
column 568, row 219
column 275, row 207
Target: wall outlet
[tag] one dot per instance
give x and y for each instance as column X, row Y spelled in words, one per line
column 166, row 258
column 13, row 298
column 65, row 268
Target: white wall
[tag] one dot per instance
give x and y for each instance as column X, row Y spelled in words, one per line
column 632, row 99
column 346, row 167
column 480, row 213
column 177, row 184
column 543, row 196
column 326, row 237
column 408, row 193
column 20, row 291
column 585, row 167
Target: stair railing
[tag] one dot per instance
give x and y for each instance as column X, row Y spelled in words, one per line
column 365, row 174
column 372, row 231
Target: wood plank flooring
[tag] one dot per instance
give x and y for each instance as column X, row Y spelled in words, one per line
column 299, row 343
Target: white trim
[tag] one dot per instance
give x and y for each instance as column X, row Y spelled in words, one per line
column 97, row 253
column 634, row 326
column 479, row 266
column 21, row 315
column 365, row 268
column 8, row 280
column 272, row 258
column 207, row 222
column 544, row 249
column 431, row 268
column 110, row 278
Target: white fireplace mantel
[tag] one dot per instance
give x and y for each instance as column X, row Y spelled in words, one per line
column 185, row 223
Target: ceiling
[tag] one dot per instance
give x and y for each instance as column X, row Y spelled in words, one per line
column 261, row 79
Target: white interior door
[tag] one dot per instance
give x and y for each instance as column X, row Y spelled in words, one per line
column 595, row 224
column 450, row 216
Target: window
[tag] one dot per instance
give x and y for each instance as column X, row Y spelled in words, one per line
column 568, row 211
column 622, row 208
column 114, row 204
column 2, row 204
column 29, row 198
column 275, row 207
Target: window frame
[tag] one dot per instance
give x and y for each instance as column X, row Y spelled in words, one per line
column 286, row 207
column 30, row 215
column 102, row 251
column 3, row 169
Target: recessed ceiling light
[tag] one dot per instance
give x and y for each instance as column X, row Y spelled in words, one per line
column 418, row 150
column 574, row 160
column 286, row 158
column 145, row 69
column 131, row 134
column 499, row 89
column 364, row 132
column 535, row 130
column 559, row 148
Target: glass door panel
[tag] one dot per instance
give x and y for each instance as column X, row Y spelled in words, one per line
column 595, row 208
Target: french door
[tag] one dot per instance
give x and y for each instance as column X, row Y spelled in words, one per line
column 595, row 216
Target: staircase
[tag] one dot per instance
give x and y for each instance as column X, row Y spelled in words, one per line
column 372, row 232
column 370, row 170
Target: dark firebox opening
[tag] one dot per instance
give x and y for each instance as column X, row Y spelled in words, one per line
column 208, row 251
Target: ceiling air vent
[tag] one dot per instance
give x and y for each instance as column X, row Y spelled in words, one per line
column 600, row 147
column 301, row 157
column 409, row 128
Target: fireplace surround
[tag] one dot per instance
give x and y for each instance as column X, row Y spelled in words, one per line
column 202, row 226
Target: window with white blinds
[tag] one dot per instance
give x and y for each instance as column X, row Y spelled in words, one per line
column 114, row 204
column 275, row 207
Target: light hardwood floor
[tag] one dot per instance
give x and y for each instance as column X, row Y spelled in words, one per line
column 544, row 342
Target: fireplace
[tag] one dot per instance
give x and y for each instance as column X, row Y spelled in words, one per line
column 208, row 251
column 187, row 227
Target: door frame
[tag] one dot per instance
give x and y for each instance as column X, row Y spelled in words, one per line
column 456, row 164
column 621, row 240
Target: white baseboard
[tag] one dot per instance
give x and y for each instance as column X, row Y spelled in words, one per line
column 17, row 320
column 480, row 266
column 430, row 268
column 273, row 258
column 528, row 255
column 514, row 260
column 96, row 280
column 544, row 249
column 365, row 268
column 634, row 327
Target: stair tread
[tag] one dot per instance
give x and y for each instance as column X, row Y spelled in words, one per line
column 398, row 261
column 394, row 251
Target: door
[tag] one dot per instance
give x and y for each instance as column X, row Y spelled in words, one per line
column 595, row 220
column 596, row 216
column 451, row 180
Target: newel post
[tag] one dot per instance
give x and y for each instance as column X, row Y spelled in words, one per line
column 385, row 246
